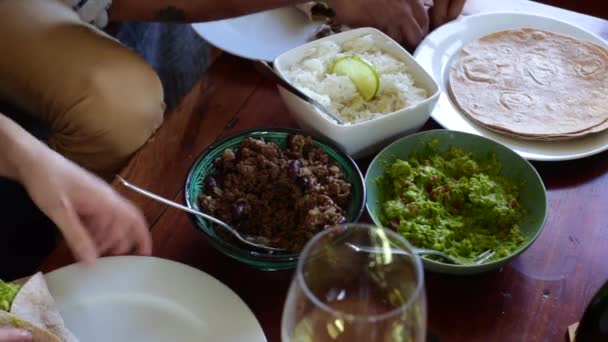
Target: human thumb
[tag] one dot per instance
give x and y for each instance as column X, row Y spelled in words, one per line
column 14, row 335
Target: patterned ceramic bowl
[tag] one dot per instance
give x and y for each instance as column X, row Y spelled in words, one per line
column 204, row 166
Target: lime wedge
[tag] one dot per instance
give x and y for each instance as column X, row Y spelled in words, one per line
column 363, row 75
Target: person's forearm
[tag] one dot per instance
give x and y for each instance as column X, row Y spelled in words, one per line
column 189, row 10
column 18, row 148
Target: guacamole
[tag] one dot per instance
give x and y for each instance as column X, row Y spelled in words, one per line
column 8, row 292
column 453, row 203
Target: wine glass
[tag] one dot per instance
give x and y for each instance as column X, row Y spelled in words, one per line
column 356, row 282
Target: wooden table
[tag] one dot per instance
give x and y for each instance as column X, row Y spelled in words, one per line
column 534, row 298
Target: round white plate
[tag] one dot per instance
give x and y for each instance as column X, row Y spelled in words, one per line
column 263, row 35
column 436, row 54
column 134, row 299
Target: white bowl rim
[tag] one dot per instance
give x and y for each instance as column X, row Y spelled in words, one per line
column 361, row 31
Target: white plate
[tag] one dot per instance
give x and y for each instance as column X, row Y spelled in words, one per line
column 144, row 299
column 263, row 35
column 436, row 54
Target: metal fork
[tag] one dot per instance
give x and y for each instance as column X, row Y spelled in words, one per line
column 481, row 258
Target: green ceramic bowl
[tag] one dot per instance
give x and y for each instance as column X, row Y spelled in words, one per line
column 533, row 195
column 203, row 167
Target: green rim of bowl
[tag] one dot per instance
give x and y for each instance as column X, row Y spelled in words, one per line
column 537, row 223
column 203, row 166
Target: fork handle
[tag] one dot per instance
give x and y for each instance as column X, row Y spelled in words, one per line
column 421, row 252
column 169, row 202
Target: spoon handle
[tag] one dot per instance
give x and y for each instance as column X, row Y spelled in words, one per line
column 167, row 202
column 267, row 71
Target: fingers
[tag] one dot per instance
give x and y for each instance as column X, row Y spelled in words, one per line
column 136, row 235
column 110, row 235
column 415, row 23
column 455, row 9
column 439, row 12
column 137, row 241
column 406, row 21
column 127, row 232
column 14, row 335
column 122, row 246
column 395, row 33
column 98, row 228
column 413, row 34
column 93, row 218
column 445, row 10
column 66, row 218
column 141, row 235
column 422, row 18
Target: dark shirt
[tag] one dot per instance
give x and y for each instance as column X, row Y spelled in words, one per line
column 175, row 51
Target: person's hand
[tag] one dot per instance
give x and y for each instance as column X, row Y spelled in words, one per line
column 14, row 335
column 93, row 218
column 406, row 21
column 444, row 11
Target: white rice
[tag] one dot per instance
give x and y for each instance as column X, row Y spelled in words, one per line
column 397, row 89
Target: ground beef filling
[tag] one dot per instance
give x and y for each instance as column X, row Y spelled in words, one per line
column 285, row 196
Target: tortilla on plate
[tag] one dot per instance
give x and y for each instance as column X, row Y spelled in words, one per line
column 533, row 84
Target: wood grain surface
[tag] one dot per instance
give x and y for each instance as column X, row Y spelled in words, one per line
column 535, row 298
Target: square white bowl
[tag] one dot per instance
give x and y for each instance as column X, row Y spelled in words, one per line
column 363, row 138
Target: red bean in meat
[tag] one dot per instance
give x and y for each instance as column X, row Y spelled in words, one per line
column 294, row 169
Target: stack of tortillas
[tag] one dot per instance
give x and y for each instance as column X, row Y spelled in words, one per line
column 532, row 84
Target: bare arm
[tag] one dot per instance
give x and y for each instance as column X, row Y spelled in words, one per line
column 93, row 218
column 18, row 147
column 405, row 20
column 189, row 10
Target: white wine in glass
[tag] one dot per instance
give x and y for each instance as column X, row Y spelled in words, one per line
column 356, row 282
